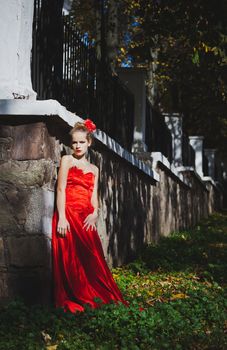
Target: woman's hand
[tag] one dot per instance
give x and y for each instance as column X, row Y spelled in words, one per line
column 62, row 227
column 90, row 221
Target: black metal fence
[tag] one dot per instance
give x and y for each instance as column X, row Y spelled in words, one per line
column 158, row 137
column 65, row 68
column 78, row 70
column 47, row 58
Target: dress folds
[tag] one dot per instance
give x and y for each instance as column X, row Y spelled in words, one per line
column 80, row 271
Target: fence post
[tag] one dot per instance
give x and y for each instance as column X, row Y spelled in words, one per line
column 174, row 123
column 134, row 79
column 197, row 144
column 211, row 157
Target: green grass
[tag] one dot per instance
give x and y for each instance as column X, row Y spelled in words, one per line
column 181, row 284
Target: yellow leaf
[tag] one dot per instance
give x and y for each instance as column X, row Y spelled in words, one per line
column 51, row 347
column 179, row 296
column 150, row 293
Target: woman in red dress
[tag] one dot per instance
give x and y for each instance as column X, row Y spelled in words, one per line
column 81, row 273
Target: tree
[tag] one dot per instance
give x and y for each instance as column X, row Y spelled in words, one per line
column 183, row 45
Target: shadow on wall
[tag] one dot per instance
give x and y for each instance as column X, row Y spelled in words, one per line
column 126, row 200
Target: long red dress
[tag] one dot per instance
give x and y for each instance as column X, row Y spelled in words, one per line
column 80, row 270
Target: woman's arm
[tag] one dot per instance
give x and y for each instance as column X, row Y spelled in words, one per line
column 94, row 197
column 91, row 219
column 63, row 224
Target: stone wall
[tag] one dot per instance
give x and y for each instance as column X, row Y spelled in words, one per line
column 27, row 179
column 215, row 196
column 197, row 198
column 170, row 202
column 135, row 209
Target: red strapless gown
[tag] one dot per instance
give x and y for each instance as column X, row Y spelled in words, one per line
column 80, row 270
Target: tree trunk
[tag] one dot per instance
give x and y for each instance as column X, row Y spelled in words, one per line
column 112, row 38
column 152, row 91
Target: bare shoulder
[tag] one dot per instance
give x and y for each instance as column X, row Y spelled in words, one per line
column 95, row 169
column 66, row 160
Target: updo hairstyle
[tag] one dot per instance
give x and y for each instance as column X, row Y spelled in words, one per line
column 79, row 126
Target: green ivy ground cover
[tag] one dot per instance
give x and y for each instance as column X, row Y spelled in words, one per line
column 178, row 300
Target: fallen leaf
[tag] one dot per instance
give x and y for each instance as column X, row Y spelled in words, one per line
column 51, row 347
column 179, row 296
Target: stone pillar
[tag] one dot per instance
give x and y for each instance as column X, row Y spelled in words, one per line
column 16, row 20
column 174, row 123
column 197, row 144
column 134, row 79
column 210, row 154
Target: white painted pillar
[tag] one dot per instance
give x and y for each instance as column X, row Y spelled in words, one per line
column 210, row 154
column 197, row 144
column 174, row 123
column 134, row 79
column 16, row 18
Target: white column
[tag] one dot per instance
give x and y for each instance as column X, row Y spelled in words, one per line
column 197, row 144
column 16, row 18
column 134, row 79
column 174, row 123
column 210, row 154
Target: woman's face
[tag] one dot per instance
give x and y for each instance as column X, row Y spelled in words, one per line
column 80, row 143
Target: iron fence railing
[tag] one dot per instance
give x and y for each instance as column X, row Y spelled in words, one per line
column 78, row 70
column 65, row 68
column 47, row 59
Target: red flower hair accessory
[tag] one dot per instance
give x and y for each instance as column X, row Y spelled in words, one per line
column 90, row 125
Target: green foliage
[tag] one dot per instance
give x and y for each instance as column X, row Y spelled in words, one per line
column 183, row 44
column 178, row 300
column 203, row 250
column 189, row 40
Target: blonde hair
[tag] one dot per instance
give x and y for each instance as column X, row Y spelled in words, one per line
column 79, row 126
